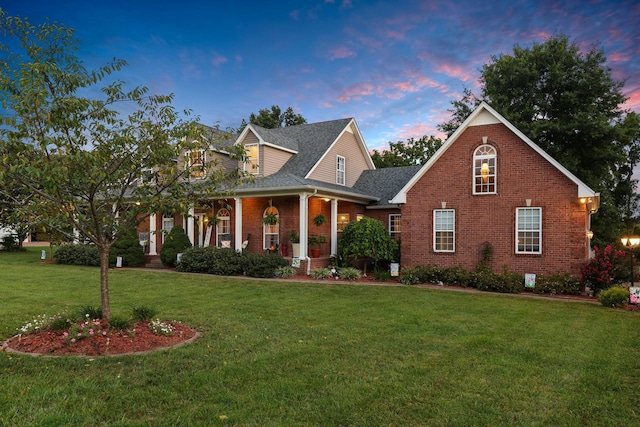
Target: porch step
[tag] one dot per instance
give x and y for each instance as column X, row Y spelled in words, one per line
column 153, row 261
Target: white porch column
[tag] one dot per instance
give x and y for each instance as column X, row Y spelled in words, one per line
column 191, row 226
column 334, row 226
column 152, row 235
column 304, row 225
column 238, row 225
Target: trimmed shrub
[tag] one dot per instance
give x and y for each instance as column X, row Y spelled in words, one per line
column 507, row 282
column 128, row 247
column 408, row 276
column 560, row 283
column 349, row 273
column 78, row 255
column 616, row 296
column 456, row 276
column 176, row 242
column 262, row 265
column 212, row 260
column 321, row 273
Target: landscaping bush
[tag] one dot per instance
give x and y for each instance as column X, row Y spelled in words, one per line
column 560, row 283
column 604, row 269
column 77, row 255
column 176, row 242
column 507, row 282
column 616, row 296
column 285, row 271
column 408, row 276
column 212, row 260
column 143, row 313
column 10, row 243
column 262, row 265
column 382, row 275
column 349, row 273
column 456, row 276
column 321, row 273
column 128, row 247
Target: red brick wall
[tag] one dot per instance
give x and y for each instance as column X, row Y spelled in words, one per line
column 521, row 174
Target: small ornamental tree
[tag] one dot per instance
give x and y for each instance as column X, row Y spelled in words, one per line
column 98, row 157
column 367, row 240
column 604, row 269
column 176, row 242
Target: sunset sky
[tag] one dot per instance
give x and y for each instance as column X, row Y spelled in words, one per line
column 395, row 66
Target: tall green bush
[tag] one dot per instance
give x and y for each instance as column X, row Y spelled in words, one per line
column 128, row 247
column 176, row 242
column 212, row 260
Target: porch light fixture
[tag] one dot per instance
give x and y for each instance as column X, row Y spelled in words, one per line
column 589, row 234
column 484, row 171
column 629, row 242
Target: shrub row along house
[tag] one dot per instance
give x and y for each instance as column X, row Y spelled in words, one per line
column 488, row 186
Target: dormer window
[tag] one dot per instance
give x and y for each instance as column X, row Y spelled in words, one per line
column 484, row 170
column 195, row 163
column 340, row 170
column 253, row 159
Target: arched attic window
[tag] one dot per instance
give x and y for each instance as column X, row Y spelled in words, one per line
column 484, row 170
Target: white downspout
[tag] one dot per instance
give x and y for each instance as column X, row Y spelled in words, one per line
column 152, row 235
column 334, row 227
column 191, row 226
column 238, row 225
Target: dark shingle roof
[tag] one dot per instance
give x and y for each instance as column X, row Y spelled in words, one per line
column 311, row 141
column 385, row 183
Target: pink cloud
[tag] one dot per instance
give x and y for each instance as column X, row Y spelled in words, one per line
column 395, row 35
column 456, row 71
column 356, row 92
column 633, row 101
column 341, row 53
column 218, row 60
column 618, row 57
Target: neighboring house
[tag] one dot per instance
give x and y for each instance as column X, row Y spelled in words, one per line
column 487, row 185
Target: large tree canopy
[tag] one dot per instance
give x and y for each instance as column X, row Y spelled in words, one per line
column 274, row 118
column 411, row 152
column 569, row 104
column 93, row 170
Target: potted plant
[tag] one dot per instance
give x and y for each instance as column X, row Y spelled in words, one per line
column 294, row 238
column 319, row 219
column 270, row 219
column 315, row 241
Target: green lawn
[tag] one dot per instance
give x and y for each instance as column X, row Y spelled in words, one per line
column 304, row 354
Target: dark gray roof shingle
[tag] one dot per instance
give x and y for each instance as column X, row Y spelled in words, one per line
column 385, row 183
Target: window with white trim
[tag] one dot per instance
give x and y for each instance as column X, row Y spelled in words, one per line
column 340, row 170
column 167, row 225
column 484, row 170
column 343, row 220
column 394, row 226
column 195, row 163
column 271, row 232
column 528, row 230
column 444, row 221
column 253, row 159
column 223, row 228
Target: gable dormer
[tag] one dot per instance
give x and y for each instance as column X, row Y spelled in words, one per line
column 263, row 156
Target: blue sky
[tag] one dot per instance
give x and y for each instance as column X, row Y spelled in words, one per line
column 394, row 66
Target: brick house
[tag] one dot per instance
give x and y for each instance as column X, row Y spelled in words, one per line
column 487, row 185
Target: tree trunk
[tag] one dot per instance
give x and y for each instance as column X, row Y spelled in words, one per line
column 104, row 282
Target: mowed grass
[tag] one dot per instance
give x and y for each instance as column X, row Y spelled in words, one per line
column 276, row 353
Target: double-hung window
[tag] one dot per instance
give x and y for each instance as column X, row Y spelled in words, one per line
column 340, row 170
column 394, row 226
column 528, row 230
column 253, row 159
column 195, row 163
column 444, row 228
column 223, row 228
column 167, row 225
